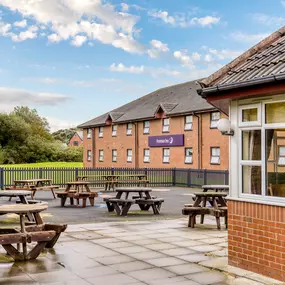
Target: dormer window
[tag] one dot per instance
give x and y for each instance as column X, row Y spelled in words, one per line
column 129, row 129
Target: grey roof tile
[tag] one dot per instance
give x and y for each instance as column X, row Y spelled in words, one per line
column 177, row 99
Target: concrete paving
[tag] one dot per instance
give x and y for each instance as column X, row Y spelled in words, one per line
column 158, row 252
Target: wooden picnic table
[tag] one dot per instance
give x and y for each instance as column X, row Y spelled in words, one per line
column 216, row 188
column 123, row 204
column 34, row 185
column 77, row 193
column 212, row 203
column 44, row 235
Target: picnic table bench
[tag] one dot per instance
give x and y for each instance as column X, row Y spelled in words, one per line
column 216, row 188
column 218, row 207
column 44, row 235
column 77, row 194
column 122, row 204
column 34, row 185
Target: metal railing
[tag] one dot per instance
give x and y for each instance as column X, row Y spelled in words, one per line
column 157, row 176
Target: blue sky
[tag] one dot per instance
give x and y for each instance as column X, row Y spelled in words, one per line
column 72, row 60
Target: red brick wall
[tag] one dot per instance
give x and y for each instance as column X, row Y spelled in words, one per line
column 257, row 238
column 75, row 138
column 122, row 142
column 87, row 145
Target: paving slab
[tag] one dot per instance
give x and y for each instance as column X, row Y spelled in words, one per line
column 208, row 277
column 186, row 269
column 131, row 266
column 165, row 261
column 151, row 274
column 118, row 279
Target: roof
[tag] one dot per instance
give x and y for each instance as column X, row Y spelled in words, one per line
column 264, row 61
column 80, row 134
column 173, row 100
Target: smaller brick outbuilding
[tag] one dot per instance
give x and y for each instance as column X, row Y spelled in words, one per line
column 76, row 140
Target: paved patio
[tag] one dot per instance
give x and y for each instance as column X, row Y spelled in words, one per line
column 158, row 252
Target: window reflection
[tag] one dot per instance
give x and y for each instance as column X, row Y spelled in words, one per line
column 251, row 145
column 251, row 179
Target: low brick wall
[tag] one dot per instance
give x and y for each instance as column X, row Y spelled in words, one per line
column 257, row 238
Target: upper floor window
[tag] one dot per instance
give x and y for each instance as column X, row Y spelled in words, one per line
column 88, row 155
column 188, row 123
column 146, row 125
column 75, row 143
column 146, row 155
column 165, row 125
column 114, row 155
column 189, row 155
column 101, row 155
column 101, row 132
column 114, row 130
column 129, row 129
column 215, row 117
column 89, row 133
column 215, row 155
column 166, row 155
column 129, row 155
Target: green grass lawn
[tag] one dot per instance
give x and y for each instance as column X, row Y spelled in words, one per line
column 43, row 164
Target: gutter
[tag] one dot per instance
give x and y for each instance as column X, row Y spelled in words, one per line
column 220, row 88
column 199, row 141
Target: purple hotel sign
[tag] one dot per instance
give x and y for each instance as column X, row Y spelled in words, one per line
column 169, row 140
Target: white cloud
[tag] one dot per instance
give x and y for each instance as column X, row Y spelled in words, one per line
column 182, row 20
column 13, row 97
column 249, row 38
column 4, row 29
column 66, row 20
column 58, row 124
column 21, row 24
column 157, row 47
column 131, row 69
column 208, row 58
column 283, row 3
column 268, row 20
column 49, row 80
column 125, row 7
column 224, row 53
column 30, row 33
column 184, row 58
column 79, row 41
column 196, row 56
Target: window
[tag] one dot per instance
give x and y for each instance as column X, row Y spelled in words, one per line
column 88, row 155
column 114, row 155
column 129, row 129
column 114, row 130
column 101, row 155
column 100, row 132
column 215, row 117
column 281, row 156
column 189, row 155
column 146, row 125
column 215, row 155
column 188, row 123
column 166, row 155
column 250, row 115
column 165, row 125
column 75, row 143
column 89, row 134
column 129, row 155
column 146, row 155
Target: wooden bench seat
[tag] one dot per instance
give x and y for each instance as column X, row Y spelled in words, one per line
column 193, row 212
column 138, row 182
column 115, row 204
column 77, row 196
column 145, row 204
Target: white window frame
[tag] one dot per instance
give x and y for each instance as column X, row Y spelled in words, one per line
column 212, row 156
column 89, row 133
column 188, row 124
column 188, row 158
column 101, row 155
column 146, row 128
column 146, row 158
column 89, row 155
column 114, row 157
column 252, row 123
column 129, row 129
column 114, row 130
column 101, row 132
column 281, row 156
column 129, row 155
column 236, row 143
column 211, row 121
column 165, row 127
column 165, row 158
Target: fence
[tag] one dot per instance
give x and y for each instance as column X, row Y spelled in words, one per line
column 156, row 176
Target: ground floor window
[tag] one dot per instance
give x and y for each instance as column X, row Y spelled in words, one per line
column 189, row 155
column 215, row 155
column 166, row 155
column 114, row 155
column 75, row 143
column 146, row 155
column 101, row 155
column 129, row 155
column 88, row 155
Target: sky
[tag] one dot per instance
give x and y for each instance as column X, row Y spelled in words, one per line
column 74, row 60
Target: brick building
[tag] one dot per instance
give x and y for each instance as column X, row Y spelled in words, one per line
column 170, row 127
column 76, row 140
column 251, row 89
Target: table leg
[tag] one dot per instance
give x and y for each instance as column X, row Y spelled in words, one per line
column 84, row 202
column 87, row 188
column 197, row 202
column 147, row 195
column 22, row 223
column 126, row 208
column 53, row 193
column 204, row 203
column 25, row 201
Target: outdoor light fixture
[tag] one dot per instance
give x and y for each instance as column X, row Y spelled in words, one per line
column 224, row 126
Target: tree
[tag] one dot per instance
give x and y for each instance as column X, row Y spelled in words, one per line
column 64, row 135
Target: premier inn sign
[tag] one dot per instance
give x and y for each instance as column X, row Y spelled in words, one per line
column 166, row 141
